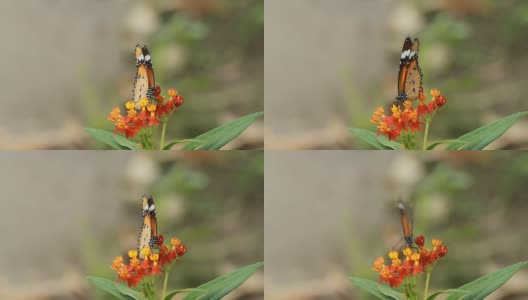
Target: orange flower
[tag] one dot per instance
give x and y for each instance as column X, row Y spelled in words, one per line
column 152, row 264
column 435, row 92
column 414, row 263
column 114, row 114
column 180, row 250
column 178, row 101
column 117, row 263
column 419, row 240
column 405, row 117
column 378, row 115
column 172, row 93
column 154, row 258
column 378, row 264
column 421, row 95
column 175, row 242
column 143, row 114
column 147, row 115
column 440, row 101
column 442, row 250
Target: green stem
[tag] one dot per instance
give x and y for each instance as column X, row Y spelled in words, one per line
column 152, row 290
column 165, row 280
column 163, row 131
column 426, row 134
column 164, row 128
column 408, row 141
column 146, row 290
column 426, row 290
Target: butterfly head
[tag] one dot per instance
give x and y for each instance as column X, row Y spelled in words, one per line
column 142, row 56
column 148, row 206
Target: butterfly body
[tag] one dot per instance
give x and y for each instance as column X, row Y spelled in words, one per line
column 144, row 83
column 148, row 235
column 406, row 218
column 410, row 75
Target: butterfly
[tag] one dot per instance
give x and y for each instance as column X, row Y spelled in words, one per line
column 144, row 83
column 410, row 74
column 407, row 222
column 148, row 235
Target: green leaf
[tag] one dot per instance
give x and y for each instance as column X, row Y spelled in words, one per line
column 388, row 143
column 387, row 291
column 123, row 141
column 218, row 137
column 104, row 137
column 171, row 144
column 483, row 136
column 223, row 285
column 434, row 295
column 107, row 285
column 485, row 285
column 433, row 145
column 123, row 289
column 369, row 286
column 113, row 140
column 368, row 137
column 171, row 294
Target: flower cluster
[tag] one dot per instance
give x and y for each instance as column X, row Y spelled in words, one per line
column 147, row 115
column 405, row 117
column 415, row 262
column 152, row 263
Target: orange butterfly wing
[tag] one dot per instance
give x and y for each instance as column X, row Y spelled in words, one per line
column 153, row 226
column 145, row 235
column 144, row 83
column 407, row 45
column 410, row 74
column 149, row 229
column 140, row 85
column 150, row 72
column 406, row 218
column 413, row 80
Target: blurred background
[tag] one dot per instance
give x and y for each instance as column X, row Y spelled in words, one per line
column 329, row 64
column 58, row 229
column 330, row 214
column 68, row 63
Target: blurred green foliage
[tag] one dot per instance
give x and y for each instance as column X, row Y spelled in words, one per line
column 213, row 203
column 478, row 43
column 212, row 43
column 483, row 205
column 214, row 59
column 475, row 203
column 477, row 59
